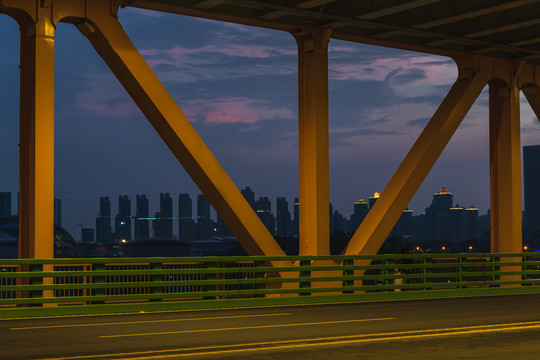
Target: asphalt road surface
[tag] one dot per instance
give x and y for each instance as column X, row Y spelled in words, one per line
column 491, row 327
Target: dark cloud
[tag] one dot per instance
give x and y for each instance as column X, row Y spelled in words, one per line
column 420, row 122
column 407, row 76
column 343, row 138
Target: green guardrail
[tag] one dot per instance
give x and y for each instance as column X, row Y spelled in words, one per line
column 43, row 287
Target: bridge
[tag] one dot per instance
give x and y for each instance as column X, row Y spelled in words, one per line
column 492, row 43
column 445, row 328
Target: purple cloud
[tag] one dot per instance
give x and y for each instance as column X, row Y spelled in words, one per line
column 235, row 110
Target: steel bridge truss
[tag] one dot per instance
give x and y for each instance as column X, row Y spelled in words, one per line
column 97, row 20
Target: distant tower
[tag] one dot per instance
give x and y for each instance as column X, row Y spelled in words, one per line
column 438, row 215
column 359, row 214
column 142, row 214
column 58, row 212
column 373, row 199
column 250, row 196
column 531, row 180
column 471, row 223
column 296, row 217
column 221, row 228
column 166, row 211
column 186, row 225
column 87, row 235
column 123, row 219
column 204, row 223
column 264, row 212
column 404, row 224
column 103, row 221
column 5, row 204
column 283, row 217
column 456, row 224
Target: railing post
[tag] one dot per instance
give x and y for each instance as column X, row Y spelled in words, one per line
column 305, row 276
column 425, row 262
column 100, row 279
column 35, row 281
column 525, row 258
column 460, row 271
column 386, row 272
column 259, row 275
column 347, row 273
column 210, row 276
column 156, row 278
column 496, row 269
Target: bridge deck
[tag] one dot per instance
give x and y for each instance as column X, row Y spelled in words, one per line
column 487, row 327
column 508, row 29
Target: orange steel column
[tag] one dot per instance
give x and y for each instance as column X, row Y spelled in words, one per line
column 313, row 142
column 505, row 167
column 109, row 39
column 36, row 214
column 411, row 173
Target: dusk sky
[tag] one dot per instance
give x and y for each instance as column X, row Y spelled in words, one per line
column 238, row 86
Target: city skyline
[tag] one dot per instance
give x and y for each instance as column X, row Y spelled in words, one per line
column 136, row 223
column 238, row 86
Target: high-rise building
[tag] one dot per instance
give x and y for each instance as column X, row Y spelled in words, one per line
column 221, row 228
column 471, row 223
column 283, row 217
column 250, row 196
column 403, row 226
column 373, row 199
column 87, row 235
column 157, row 225
column 456, row 224
column 296, row 217
column 186, row 224
column 204, row 223
column 166, row 210
column 5, row 204
column 338, row 223
column 359, row 214
column 58, row 212
column 438, row 216
column 263, row 207
column 103, row 221
column 531, row 181
column 142, row 215
column 123, row 219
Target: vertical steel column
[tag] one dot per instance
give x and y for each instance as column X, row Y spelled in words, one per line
column 313, row 142
column 505, row 167
column 36, row 214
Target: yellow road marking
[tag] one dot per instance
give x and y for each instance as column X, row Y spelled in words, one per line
column 243, row 328
column 147, row 321
column 323, row 340
column 345, row 342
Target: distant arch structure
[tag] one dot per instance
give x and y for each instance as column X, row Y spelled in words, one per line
column 495, row 43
